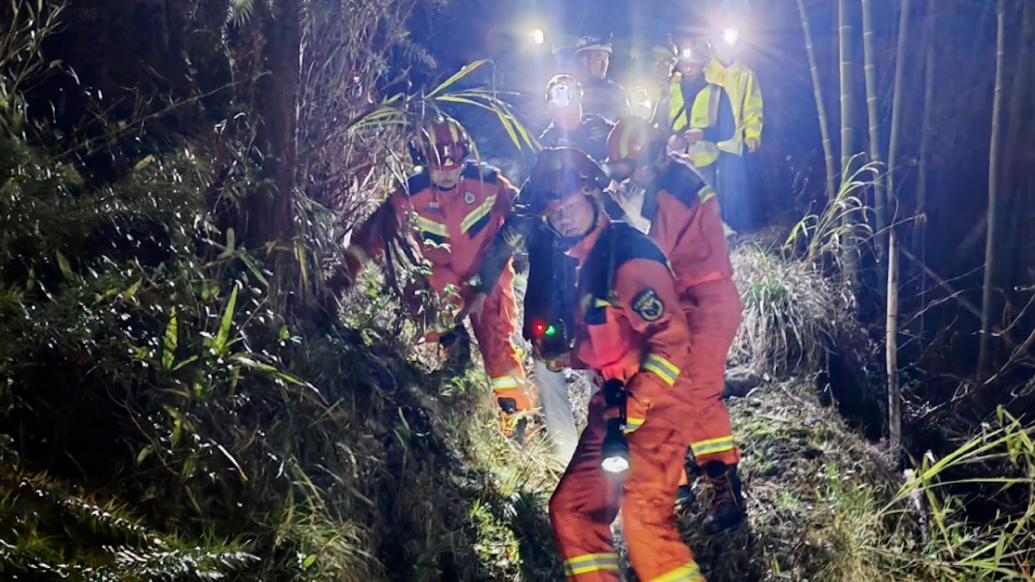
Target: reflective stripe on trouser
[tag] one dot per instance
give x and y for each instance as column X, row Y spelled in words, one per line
column 553, row 397
column 590, row 563
column 713, row 312
column 685, row 573
column 494, row 328
column 586, row 502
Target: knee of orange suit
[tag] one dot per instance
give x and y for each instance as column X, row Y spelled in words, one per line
column 563, row 512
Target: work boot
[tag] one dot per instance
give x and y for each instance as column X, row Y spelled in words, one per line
column 455, row 350
column 727, row 505
column 684, row 496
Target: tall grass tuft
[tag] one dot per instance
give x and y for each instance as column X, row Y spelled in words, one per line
column 792, row 313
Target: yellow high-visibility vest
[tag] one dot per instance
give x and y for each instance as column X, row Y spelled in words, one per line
column 704, row 113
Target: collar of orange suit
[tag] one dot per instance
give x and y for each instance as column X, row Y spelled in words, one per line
column 581, row 251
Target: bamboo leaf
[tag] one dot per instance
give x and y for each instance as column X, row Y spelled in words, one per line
column 222, row 341
column 457, row 77
column 144, row 163
column 253, row 268
column 65, row 266
column 185, row 363
column 170, row 341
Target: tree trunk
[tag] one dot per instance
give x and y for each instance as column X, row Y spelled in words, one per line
column 821, row 108
column 987, row 295
column 272, row 219
column 850, row 255
column 870, row 68
column 267, row 221
column 920, row 225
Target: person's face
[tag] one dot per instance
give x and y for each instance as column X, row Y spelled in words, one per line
column 573, row 216
column 445, row 178
column 597, row 63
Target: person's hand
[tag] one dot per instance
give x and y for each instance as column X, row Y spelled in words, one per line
column 677, row 144
column 693, row 136
column 635, row 413
column 752, row 144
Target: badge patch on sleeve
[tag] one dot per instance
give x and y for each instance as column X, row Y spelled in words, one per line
column 647, row 305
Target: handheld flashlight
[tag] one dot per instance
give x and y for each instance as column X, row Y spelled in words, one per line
column 614, row 457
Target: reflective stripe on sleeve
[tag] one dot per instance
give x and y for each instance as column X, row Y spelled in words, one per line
column 661, row 368
column 591, row 563
column 631, row 424
column 430, row 226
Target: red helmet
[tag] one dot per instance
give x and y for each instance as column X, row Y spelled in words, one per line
column 442, row 143
column 560, row 173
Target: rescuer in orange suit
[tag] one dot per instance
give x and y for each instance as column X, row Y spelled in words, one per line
column 686, row 222
column 629, row 328
column 453, row 206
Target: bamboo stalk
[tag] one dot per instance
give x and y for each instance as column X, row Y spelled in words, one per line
column 821, row 108
column 891, row 350
column 987, row 297
column 920, row 224
column 850, row 255
column 870, row 70
column 891, row 319
column 896, row 108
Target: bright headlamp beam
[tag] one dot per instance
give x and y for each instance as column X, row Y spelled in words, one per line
column 537, row 35
column 730, row 36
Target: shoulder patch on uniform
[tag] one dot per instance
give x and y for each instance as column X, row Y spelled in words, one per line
column 418, row 183
column 648, row 305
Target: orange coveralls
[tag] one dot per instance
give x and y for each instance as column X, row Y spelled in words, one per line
column 686, row 222
column 455, row 229
column 630, row 327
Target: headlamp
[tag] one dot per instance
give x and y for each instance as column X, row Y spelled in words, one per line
column 560, row 95
column 731, row 36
